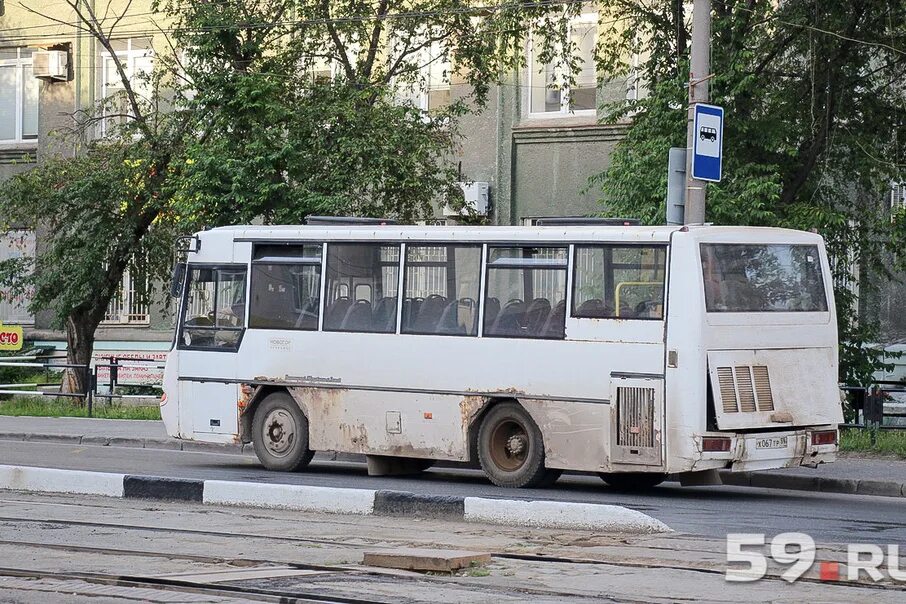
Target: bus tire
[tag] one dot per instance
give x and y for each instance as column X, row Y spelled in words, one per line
column 632, row 481
column 280, row 434
column 511, row 448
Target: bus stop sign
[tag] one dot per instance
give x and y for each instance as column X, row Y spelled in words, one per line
column 708, row 143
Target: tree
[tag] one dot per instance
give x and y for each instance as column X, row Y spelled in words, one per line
column 304, row 99
column 100, row 210
column 814, row 135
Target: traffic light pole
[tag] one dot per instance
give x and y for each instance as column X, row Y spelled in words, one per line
column 699, row 73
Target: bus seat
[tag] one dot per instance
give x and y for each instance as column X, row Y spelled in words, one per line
column 536, row 315
column 358, row 317
column 554, row 326
column 491, row 310
column 593, row 308
column 429, row 313
column 333, row 316
column 385, row 313
column 410, row 312
column 510, row 320
column 449, row 320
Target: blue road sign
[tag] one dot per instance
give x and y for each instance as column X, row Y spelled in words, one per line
column 708, row 143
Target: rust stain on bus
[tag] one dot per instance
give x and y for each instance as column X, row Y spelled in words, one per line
column 470, row 407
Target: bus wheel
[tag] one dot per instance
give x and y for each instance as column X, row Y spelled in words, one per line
column 510, row 447
column 280, row 434
column 633, row 481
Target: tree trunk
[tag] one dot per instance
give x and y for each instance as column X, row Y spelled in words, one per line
column 80, row 328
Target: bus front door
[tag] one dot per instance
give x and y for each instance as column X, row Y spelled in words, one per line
column 209, row 342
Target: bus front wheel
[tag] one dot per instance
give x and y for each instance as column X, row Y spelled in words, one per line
column 280, row 434
column 633, row 481
column 510, row 448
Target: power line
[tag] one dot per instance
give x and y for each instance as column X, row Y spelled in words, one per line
column 476, row 10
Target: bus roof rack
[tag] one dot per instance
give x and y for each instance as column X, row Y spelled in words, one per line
column 586, row 221
column 327, row 220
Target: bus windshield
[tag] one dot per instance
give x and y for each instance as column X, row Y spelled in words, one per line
column 762, row 278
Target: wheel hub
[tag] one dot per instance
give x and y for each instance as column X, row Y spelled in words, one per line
column 515, row 444
column 280, row 432
column 509, row 445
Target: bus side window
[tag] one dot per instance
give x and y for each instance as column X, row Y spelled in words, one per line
column 286, row 287
column 370, row 271
column 441, row 289
column 619, row 282
column 529, row 283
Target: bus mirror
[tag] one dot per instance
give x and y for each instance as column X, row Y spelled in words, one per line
column 179, row 276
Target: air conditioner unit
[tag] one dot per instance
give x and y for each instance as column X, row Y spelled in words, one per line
column 475, row 195
column 52, row 64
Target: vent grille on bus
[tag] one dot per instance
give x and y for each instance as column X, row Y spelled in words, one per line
column 745, row 388
column 635, row 417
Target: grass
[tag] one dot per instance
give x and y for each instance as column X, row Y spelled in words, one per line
column 53, row 407
column 887, row 442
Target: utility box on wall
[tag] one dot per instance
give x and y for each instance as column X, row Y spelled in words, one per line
column 475, row 195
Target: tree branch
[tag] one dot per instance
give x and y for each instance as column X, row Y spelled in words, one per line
column 335, row 38
column 95, row 30
column 375, row 40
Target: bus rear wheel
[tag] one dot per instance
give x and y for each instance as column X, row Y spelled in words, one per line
column 280, row 434
column 633, row 481
column 511, row 449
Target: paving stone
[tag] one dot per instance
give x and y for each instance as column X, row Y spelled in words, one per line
column 437, row 560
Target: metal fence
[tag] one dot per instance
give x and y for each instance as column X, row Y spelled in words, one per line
column 92, row 386
column 873, row 404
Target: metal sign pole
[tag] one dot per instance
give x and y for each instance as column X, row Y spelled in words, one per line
column 699, row 71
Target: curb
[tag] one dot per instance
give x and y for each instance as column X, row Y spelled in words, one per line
column 793, row 482
column 363, row 502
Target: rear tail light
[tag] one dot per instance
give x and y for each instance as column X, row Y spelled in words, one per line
column 825, row 437
column 163, row 399
column 716, row 444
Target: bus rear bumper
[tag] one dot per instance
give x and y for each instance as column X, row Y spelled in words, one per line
column 768, row 450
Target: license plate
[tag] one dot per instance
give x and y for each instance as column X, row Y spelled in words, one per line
column 777, row 442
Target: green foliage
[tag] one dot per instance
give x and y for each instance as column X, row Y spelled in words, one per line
column 94, row 211
column 813, row 136
column 306, row 111
column 883, row 442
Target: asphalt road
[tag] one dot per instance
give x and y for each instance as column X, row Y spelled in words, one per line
column 709, row 511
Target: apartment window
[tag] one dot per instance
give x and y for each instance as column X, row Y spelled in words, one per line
column 431, row 89
column 18, row 96
column 130, row 304
column 137, row 58
column 897, row 197
column 550, row 93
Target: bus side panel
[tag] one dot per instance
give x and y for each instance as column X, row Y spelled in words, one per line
column 397, row 424
column 576, row 435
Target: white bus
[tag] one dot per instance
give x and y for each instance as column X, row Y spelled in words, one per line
column 633, row 352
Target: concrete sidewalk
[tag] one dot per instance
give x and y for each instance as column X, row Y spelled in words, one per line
column 850, row 474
